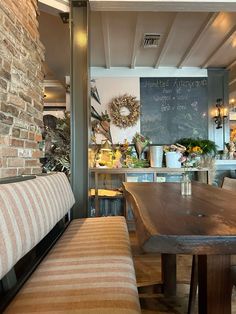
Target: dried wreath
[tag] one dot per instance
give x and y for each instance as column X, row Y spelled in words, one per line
column 125, row 111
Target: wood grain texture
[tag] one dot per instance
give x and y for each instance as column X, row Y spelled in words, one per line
column 229, row 184
column 148, row 273
column 169, row 274
column 166, row 222
column 193, row 285
column 203, row 224
column 214, row 291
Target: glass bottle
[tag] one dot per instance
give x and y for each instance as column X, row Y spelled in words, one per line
column 186, row 185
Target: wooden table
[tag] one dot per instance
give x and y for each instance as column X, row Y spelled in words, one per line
column 98, row 176
column 202, row 224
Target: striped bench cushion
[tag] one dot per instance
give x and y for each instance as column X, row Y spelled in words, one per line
column 89, row 271
column 28, row 211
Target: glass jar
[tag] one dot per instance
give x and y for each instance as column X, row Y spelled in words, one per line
column 186, row 185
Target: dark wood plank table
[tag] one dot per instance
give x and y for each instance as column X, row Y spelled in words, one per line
column 202, row 224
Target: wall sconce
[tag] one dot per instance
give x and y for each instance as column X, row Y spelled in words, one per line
column 220, row 113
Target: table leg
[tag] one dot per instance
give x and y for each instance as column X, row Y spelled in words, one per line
column 193, row 285
column 168, row 266
column 214, row 284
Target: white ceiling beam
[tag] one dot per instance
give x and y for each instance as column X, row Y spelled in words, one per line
column 136, row 43
column 148, row 72
column 61, row 5
column 106, row 39
column 53, row 83
column 231, row 65
column 167, row 40
column 198, row 36
column 54, row 104
column 164, row 5
column 220, row 46
column 232, row 81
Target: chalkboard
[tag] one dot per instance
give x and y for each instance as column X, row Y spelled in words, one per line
column 172, row 108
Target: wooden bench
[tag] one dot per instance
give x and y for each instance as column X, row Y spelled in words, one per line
column 88, row 270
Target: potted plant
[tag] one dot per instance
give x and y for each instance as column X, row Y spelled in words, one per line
column 199, row 146
column 57, row 146
column 173, row 155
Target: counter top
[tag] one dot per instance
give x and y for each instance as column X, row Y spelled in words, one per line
column 147, row 170
column 226, row 164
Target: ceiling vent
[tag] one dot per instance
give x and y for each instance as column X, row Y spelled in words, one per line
column 151, row 40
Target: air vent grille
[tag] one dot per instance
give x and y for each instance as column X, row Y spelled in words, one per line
column 151, row 40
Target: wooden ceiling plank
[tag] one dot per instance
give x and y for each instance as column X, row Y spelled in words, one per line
column 106, row 39
column 232, row 81
column 167, row 40
column 61, row 5
column 220, row 46
column 232, row 64
column 211, row 17
column 53, row 83
column 136, row 42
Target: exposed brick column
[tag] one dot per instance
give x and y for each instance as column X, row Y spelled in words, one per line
column 21, row 88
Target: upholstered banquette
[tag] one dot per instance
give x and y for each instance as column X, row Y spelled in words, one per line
column 88, row 270
column 29, row 210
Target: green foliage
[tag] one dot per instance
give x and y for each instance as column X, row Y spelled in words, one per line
column 134, row 162
column 57, row 147
column 140, row 163
column 208, row 147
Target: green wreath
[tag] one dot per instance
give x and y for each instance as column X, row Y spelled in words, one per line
column 125, row 111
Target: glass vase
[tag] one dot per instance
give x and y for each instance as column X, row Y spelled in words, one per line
column 186, row 185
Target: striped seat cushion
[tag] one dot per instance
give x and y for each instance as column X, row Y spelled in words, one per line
column 28, row 211
column 89, row 271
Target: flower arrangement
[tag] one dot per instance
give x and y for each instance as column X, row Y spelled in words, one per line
column 186, row 161
column 199, row 146
column 192, row 155
column 196, row 150
column 199, row 152
column 140, row 142
column 174, row 148
column 187, row 154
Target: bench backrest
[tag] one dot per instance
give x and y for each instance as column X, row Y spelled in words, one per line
column 28, row 211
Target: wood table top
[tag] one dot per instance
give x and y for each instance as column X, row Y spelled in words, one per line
column 167, row 222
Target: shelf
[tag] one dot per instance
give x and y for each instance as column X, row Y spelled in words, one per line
column 108, row 197
column 106, row 193
column 143, row 170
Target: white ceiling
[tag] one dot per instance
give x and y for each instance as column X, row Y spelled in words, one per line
column 188, row 39
column 161, row 5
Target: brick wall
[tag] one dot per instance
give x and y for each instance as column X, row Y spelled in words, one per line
column 21, row 89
